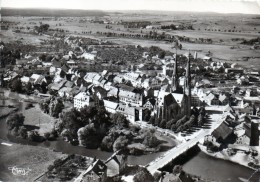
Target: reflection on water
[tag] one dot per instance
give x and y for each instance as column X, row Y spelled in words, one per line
column 218, row 170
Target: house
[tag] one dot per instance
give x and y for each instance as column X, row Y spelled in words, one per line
column 130, row 97
column 204, row 83
column 37, row 79
column 222, row 132
column 82, row 99
column 195, row 100
column 118, row 79
column 25, row 79
column 90, row 77
column 168, row 69
column 131, row 76
column 107, row 85
column 150, row 103
column 88, row 56
column 57, row 86
column 99, row 92
column 56, row 63
column 234, row 70
column 65, row 68
column 97, row 171
column 110, row 106
column 243, row 80
column 10, row 75
column 131, row 113
column 211, row 99
column 251, row 92
column 97, row 79
column 72, row 64
column 65, row 92
column 47, row 64
column 223, row 99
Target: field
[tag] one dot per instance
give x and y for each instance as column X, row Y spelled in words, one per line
column 35, row 117
column 225, row 30
column 36, row 159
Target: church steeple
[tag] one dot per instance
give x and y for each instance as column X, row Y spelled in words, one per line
column 188, row 86
column 175, row 78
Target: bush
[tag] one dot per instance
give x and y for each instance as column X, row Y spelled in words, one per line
column 143, row 175
column 34, row 136
column 15, row 121
column 47, row 135
column 120, row 143
column 150, row 140
column 22, row 132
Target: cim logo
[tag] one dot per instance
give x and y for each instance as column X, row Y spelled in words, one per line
column 19, row 171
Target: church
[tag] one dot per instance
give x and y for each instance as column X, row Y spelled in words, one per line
column 175, row 103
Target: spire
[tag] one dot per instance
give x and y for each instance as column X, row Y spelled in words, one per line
column 188, row 86
column 195, row 55
column 175, row 79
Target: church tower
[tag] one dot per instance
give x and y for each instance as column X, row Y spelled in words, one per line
column 175, row 78
column 187, row 85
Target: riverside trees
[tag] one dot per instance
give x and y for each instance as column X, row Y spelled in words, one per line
column 94, row 127
column 181, row 123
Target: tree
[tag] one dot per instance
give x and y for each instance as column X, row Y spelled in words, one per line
column 162, row 124
column 107, row 143
column 147, row 114
column 143, row 175
column 87, row 136
column 152, row 120
column 177, row 169
column 33, row 136
column 200, row 120
column 180, row 46
column 161, row 54
column 22, row 132
column 28, row 87
column 120, row 143
column 15, row 121
column 156, row 121
column 44, row 87
column 16, row 86
column 119, row 120
column 58, row 107
column 150, row 139
column 42, row 57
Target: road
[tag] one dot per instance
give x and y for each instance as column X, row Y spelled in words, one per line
column 184, row 146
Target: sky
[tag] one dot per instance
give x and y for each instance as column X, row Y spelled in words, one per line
column 219, row 6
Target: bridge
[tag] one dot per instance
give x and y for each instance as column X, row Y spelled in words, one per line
column 167, row 157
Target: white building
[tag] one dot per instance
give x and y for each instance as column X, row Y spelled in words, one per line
column 82, row 99
column 110, row 106
column 128, row 97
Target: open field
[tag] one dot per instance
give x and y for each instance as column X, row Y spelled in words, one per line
column 35, row 117
column 36, row 159
column 225, row 30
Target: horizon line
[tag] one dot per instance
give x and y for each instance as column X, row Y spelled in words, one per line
column 114, row 10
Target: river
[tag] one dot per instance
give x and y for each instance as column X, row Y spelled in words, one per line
column 219, row 170
column 201, row 164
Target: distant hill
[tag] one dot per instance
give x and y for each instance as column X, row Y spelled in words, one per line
column 50, row 12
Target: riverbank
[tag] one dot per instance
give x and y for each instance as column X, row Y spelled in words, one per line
column 239, row 158
column 33, row 159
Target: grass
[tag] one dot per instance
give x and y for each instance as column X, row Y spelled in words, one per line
column 34, row 116
column 37, row 159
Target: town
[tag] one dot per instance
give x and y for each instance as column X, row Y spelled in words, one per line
column 88, row 108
